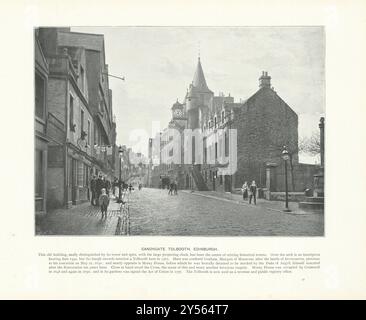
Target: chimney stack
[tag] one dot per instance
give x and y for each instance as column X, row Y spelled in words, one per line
column 265, row 80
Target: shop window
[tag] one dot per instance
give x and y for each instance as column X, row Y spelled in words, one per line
column 80, row 174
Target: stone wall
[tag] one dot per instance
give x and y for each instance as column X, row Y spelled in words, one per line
column 299, row 179
column 56, row 98
column 265, row 123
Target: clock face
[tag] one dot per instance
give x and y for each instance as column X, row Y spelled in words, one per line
column 178, row 113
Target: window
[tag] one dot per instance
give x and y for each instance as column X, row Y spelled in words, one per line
column 215, row 122
column 88, row 137
column 204, row 150
column 220, row 179
column 226, row 144
column 72, row 127
column 39, row 96
column 39, row 173
column 82, row 78
column 223, row 116
column 81, row 122
column 95, row 135
column 215, row 150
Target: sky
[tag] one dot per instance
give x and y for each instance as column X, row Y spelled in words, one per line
column 159, row 63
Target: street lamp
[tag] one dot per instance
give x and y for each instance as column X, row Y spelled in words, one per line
column 286, row 157
column 120, row 153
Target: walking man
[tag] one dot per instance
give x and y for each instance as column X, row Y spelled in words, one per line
column 99, row 187
column 170, row 188
column 253, row 192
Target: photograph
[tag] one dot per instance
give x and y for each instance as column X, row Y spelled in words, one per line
column 214, row 131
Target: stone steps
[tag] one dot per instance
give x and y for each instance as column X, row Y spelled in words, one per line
column 311, row 206
column 314, row 199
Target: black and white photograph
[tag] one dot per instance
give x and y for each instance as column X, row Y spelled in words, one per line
column 179, row 131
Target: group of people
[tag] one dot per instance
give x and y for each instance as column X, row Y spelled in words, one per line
column 249, row 191
column 173, row 188
column 96, row 187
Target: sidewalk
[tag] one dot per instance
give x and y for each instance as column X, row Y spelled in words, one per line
column 80, row 220
column 238, row 199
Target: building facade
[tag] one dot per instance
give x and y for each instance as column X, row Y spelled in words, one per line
column 227, row 142
column 80, row 123
column 41, row 120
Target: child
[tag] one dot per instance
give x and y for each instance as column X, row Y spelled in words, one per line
column 104, row 202
column 244, row 190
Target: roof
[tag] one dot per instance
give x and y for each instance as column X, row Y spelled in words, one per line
column 199, row 80
column 177, row 105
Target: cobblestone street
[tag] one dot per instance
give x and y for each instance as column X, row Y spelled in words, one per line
column 154, row 212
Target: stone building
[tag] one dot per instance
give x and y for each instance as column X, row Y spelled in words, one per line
column 263, row 124
column 80, row 119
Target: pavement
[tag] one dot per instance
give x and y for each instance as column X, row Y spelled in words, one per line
column 209, row 213
column 261, row 203
column 82, row 219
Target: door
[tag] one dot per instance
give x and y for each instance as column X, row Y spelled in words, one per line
column 73, row 180
column 227, row 183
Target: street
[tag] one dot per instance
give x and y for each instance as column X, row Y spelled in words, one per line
column 154, row 212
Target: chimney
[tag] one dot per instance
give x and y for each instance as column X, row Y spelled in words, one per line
column 265, row 80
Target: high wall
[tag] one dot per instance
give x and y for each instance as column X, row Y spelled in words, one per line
column 264, row 125
column 299, row 178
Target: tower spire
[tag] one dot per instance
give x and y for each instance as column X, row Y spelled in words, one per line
column 199, row 80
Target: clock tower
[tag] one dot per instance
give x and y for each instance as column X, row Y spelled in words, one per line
column 177, row 111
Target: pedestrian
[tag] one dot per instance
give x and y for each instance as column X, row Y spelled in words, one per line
column 113, row 187
column 107, row 186
column 244, row 190
column 170, row 192
column 253, row 193
column 93, row 189
column 130, row 187
column 99, row 187
column 104, row 202
column 175, row 187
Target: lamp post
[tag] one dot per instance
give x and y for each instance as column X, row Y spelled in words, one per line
column 120, row 153
column 286, row 157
